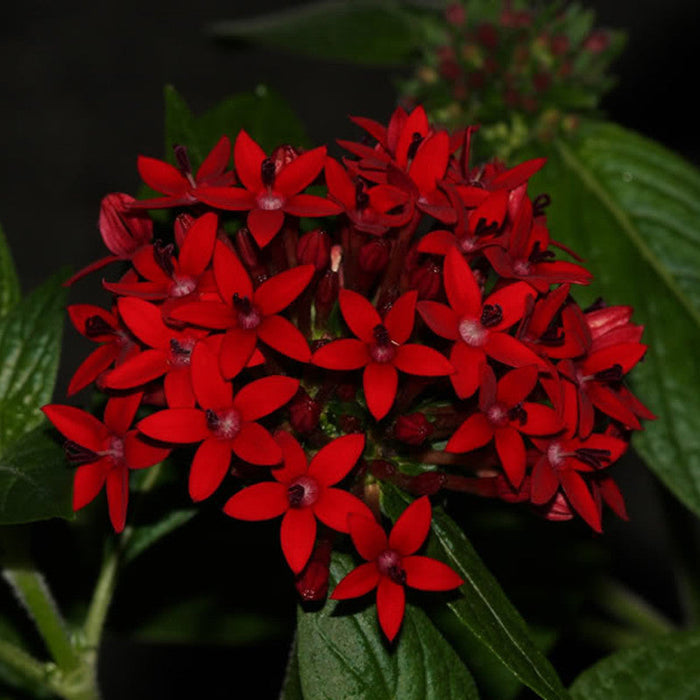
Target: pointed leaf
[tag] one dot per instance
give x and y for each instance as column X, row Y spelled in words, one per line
column 9, row 282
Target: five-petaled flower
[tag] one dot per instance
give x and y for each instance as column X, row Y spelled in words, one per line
column 303, row 492
column 392, row 564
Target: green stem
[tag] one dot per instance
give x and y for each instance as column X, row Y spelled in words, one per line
column 24, row 664
column 31, row 588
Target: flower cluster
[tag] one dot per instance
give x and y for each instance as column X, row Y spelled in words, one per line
column 423, row 334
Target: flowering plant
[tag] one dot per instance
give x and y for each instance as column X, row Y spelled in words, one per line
column 359, row 347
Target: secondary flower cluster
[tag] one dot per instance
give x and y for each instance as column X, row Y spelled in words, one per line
column 425, row 335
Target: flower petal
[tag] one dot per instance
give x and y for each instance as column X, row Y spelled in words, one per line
column 280, row 291
column 258, row 502
column 118, row 496
column 120, row 411
column 91, row 368
column 475, row 432
column 467, row 362
column 441, row 319
column 391, row 603
column 412, row 527
column 461, row 287
column 347, row 353
column 511, row 352
column 248, row 157
column 544, row 482
column 140, row 454
column 511, row 452
column 367, row 535
column 145, row 321
column 161, row 176
column 333, row 461
column 197, row 250
column 230, row 275
column 210, row 388
column 380, row 382
column 177, row 385
column 78, row 426
column 422, row 360
column 254, row 444
column 88, row 481
column 209, row 467
column 301, row 172
column 264, row 224
column 282, row 335
column 401, row 317
column 294, row 458
column 334, row 506
column 428, row 574
column 297, row 535
column 515, row 386
column 263, row 396
column 137, row 370
column 358, row 582
column 362, row 318
column 216, row 161
column 580, row 498
column 178, row 425
column 237, row 348
column 541, row 420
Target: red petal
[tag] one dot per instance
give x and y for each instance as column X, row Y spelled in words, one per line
column 437, row 242
column 293, row 455
column 264, row 224
column 541, row 420
column 475, row 432
column 422, row 360
column 427, row 574
column 118, row 496
column 301, row 172
column 210, row 388
column 79, row 315
column 248, row 157
column 120, row 412
column 516, row 385
column 335, row 505
column 362, row 318
column 138, row 370
column 94, row 364
column 511, row 452
column 145, row 322
column 206, row 314
column 511, row 300
column 342, row 354
column 161, row 176
column 373, row 128
column 255, row 445
column 229, row 198
column 197, row 250
column 333, row 461
column 380, row 382
column 263, row 396
column 415, row 123
column 511, row 352
column 311, row 205
column 178, row 388
column 516, row 176
column 139, row 454
column 297, row 535
column 391, row 603
column 627, row 355
column 441, row 319
column 467, row 362
column 283, row 336
column 400, row 318
column 544, row 482
column 236, row 350
column 258, row 502
column 358, row 582
column 339, row 183
column 231, row 277
column 412, row 527
column 280, row 291
column 209, row 467
column 179, row 425
column 88, row 481
column 461, row 287
column 580, row 498
column 367, row 535
column 78, row 426
column 430, row 161
column 216, row 162
column 612, row 496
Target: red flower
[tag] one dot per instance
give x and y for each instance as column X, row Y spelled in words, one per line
column 478, row 328
column 249, row 315
column 503, row 415
column 268, row 193
column 178, row 185
column 225, row 422
column 381, row 349
column 303, row 492
column 392, row 564
column 104, row 452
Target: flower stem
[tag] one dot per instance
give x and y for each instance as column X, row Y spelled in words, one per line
column 24, row 664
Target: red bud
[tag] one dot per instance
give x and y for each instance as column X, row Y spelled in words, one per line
column 427, row 279
column 413, row 429
column 314, row 248
column 312, row 582
column 304, row 412
column 122, row 228
column 427, row 483
column 374, row 255
column 246, row 247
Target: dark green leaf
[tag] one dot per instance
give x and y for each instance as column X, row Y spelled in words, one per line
column 9, row 283
column 484, row 608
column 291, row 685
column 666, row 667
column 30, row 345
column 343, row 654
column 632, row 209
column 35, row 481
column 263, row 114
column 144, row 536
column 369, row 32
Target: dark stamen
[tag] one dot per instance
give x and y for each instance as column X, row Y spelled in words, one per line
column 416, row 141
column 484, row 229
column 78, row 455
column 593, row 457
column 295, row 494
column 518, row 413
column 267, row 172
column 178, row 349
column 163, row 254
column 182, row 159
column 538, row 255
column 397, row 574
column 381, row 335
column 242, row 304
column 96, row 326
column 212, row 419
column 597, row 305
column 612, row 374
column 542, row 201
column 361, row 197
column 554, row 335
column 491, row 315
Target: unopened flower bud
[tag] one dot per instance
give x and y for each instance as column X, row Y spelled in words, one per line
column 374, row 255
column 246, row 247
column 426, row 279
column 312, row 582
column 381, row 469
column 557, row 509
column 283, row 155
column 314, row 248
column 455, row 14
column 413, row 429
column 327, row 293
column 427, row 483
column 183, row 222
column 304, row 412
column 123, row 229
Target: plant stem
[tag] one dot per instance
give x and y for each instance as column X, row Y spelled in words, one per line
column 101, row 598
column 24, row 664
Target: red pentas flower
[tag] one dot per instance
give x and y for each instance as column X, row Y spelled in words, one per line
column 224, row 422
column 104, row 452
column 271, row 190
column 380, row 348
column 248, row 314
column 303, row 492
column 477, row 327
column 178, row 184
column 392, row 564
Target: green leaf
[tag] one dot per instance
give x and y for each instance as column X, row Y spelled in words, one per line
column 35, row 482
column 263, row 114
column 368, row 32
column 144, row 536
column 343, row 654
column 632, row 209
column 665, row 667
column 30, row 345
column 483, row 607
column 291, row 684
column 9, row 282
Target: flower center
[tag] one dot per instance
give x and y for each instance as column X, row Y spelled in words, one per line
column 389, row 564
column 361, row 197
column 556, row 455
column 302, row 492
column 163, row 255
column 95, row 326
column 383, row 349
column 248, row 316
column 268, row 172
column 270, row 201
column 497, row 415
column 182, row 286
column 472, row 332
column 522, row 267
column 180, row 352
column 225, row 424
